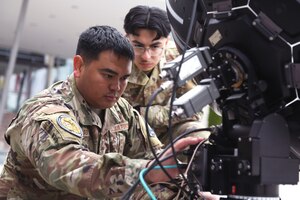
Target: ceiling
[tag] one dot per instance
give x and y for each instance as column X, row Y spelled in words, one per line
column 53, row 26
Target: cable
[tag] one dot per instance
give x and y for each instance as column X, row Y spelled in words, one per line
column 191, row 160
column 145, row 171
column 150, row 144
column 127, row 195
column 171, row 104
column 173, row 96
column 188, row 168
column 194, row 153
column 143, row 182
column 152, row 98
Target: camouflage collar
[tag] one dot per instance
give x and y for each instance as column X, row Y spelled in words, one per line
column 139, row 77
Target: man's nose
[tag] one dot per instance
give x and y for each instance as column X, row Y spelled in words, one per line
column 115, row 85
column 146, row 53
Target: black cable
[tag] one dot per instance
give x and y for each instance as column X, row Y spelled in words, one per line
column 171, row 104
column 127, row 195
column 205, row 24
column 173, row 96
column 152, row 98
column 157, row 161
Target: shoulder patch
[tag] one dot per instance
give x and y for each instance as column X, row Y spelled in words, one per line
column 119, row 127
column 67, row 123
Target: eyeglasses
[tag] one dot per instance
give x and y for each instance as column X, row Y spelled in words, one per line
column 153, row 51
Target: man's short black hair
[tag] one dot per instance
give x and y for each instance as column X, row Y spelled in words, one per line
column 146, row 17
column 101, row 38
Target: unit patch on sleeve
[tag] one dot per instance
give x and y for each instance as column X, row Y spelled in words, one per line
column 70, row 125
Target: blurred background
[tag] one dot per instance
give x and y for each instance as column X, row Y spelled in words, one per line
column 38, row 40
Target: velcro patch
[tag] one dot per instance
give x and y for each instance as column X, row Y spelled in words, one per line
column 119, row 127
column 67, row 123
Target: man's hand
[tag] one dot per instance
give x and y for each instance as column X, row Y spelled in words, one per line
column 209, row 196
column 157, row 175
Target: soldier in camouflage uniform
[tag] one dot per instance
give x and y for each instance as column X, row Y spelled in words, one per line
column 78, row 139
column 148, row 29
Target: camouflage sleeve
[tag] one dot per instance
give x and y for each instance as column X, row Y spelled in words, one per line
column 61, row 160
column 158, row 115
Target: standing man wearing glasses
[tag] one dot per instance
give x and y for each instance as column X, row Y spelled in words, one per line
column 148, row 30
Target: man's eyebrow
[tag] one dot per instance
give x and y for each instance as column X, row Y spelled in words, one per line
column 107, row 70
column 139, row 43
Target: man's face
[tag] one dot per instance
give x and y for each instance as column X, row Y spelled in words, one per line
column 101, row 82
column 147, row 59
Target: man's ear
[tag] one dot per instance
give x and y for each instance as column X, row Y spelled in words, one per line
column 77, row 65
column 168, row 39
column 165, row 42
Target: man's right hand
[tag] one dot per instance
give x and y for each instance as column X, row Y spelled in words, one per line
column 157, row 175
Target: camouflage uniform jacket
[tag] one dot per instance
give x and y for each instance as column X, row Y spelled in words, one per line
column 140, row 87
column 60, row 148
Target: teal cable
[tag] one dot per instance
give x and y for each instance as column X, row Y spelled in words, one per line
column 143, row 182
